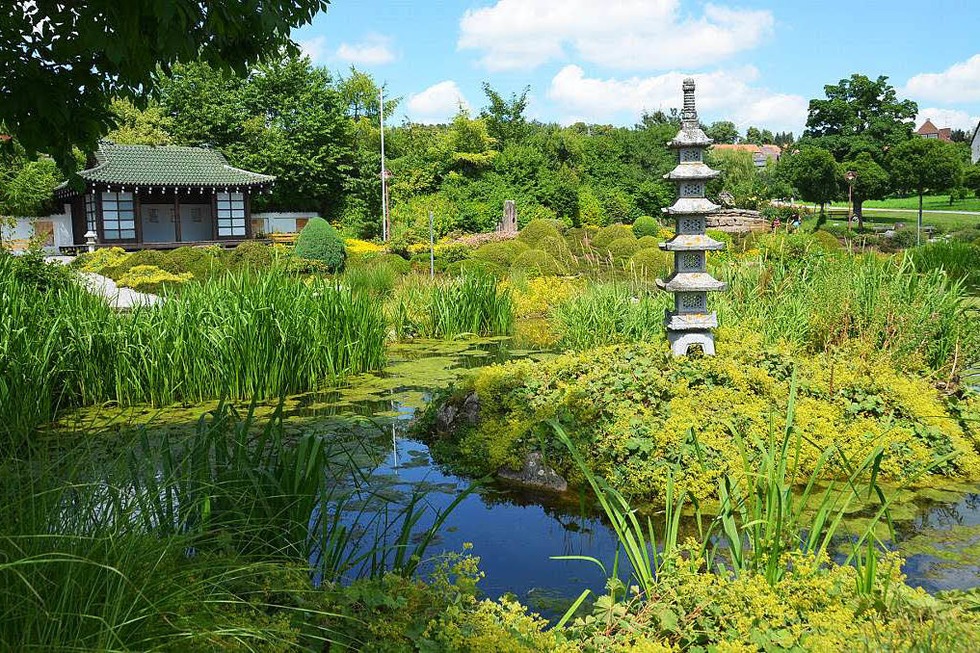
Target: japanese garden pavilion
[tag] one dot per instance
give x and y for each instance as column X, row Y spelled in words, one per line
column 141, row 196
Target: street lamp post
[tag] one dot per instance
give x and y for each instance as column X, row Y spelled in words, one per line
column 850, row 176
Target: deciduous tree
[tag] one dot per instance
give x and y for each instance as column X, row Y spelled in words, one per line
column 63, row 62
column 870, row 181
column 859, row 115
column 925, row 164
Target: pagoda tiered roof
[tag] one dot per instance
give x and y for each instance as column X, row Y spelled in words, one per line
column 693, row 171
column 690, row 135
column 692, row 243
column 691, row 206
column 691, row 282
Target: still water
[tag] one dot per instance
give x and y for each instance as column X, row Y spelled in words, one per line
column 515, row 531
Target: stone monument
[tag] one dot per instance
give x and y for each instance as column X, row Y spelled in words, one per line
column 690, row 323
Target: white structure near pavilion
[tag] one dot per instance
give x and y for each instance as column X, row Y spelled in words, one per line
column 690, row 323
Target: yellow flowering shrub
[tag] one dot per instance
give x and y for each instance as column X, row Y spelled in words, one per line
column 639, row 415
column 358, row 247
column 534, row 297
column 100, row 259
column 151, row 279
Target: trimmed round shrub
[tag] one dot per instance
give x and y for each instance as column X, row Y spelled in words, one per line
column 649, row 242
column 318, row 241
column 645, row 226
column 623, row 248
column 538, row 230
column 393, row 262
column 501, row 253
column 202, row 262
column 100, row 259
column 651, row 263
column 826, row 240
column 608, row 234
column 473, row 265
column 153, row 257
column 253, row 255
column 557, row 247
column 578, row 241
column 537, row 263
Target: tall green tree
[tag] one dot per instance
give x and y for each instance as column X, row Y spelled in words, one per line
column 284, row 118
column 859, row 115
column 135, row 126
column 870, row 181
column 722, row 131
column 925, row 165
column 64, row 62
column 505, row 117
column 813, row 172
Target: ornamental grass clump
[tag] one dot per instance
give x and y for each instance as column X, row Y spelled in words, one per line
column 319, row 241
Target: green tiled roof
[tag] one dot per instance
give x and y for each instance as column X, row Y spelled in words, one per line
column 167, row 165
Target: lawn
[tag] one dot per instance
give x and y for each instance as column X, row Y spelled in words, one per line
column 929, row 203
column 943, row 221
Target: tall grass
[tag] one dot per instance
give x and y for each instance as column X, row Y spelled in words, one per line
column 959, row 260
column 243, row 336
column 200, row 544
column 471, row 304
column 816, row 302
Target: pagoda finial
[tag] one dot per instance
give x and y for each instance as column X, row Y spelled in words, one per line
column 690, row 112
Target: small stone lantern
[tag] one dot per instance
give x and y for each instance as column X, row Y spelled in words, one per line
column 690, row 323
column 90, row 239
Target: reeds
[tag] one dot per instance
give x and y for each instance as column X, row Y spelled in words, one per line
column 471, row 304
column 209, row 542
column 816, row 303
column 242, row 336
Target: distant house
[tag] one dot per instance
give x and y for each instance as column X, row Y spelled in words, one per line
column 929, row 130
column 761, row 154
column 975, row 145
column 137, row 196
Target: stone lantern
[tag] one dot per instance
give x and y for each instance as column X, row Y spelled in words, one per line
column 690, row 323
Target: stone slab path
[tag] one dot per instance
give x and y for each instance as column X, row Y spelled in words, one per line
column 118, row 298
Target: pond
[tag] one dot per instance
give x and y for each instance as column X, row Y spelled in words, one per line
column 516, row 531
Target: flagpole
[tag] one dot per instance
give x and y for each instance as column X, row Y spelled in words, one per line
column 384, row 181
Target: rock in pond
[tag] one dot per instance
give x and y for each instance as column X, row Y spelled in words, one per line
column 452, row 416
column 535, row 473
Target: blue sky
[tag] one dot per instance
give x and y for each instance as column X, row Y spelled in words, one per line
column 757, row 62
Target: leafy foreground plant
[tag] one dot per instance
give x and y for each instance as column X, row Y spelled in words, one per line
column 772, row 585
column 212, row 543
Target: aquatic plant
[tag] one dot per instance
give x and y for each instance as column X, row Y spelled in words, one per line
column 959, row 260
column 447, row 308
column 240, row 335
column 196, row 543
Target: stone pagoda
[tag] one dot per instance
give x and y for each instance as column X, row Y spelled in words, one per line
column 690, row 323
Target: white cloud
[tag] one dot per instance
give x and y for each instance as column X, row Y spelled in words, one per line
column 315, row 48
column 373, row 50
column 625, row 34
column 721, row 95
column 948, row 118
column 958, row 83
column 436, row 104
